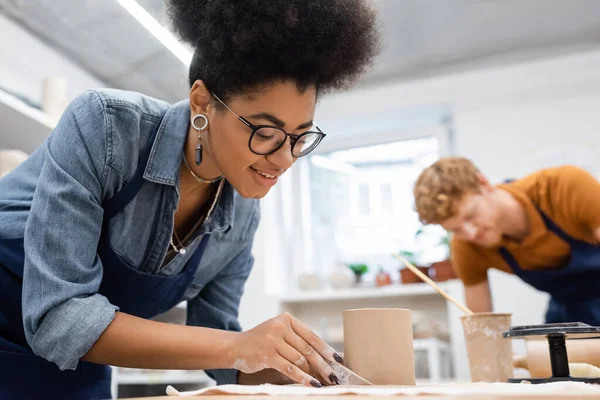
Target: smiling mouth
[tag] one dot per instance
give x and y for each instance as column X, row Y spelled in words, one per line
column 268, row 176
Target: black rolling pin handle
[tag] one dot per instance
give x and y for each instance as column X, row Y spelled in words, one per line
column 558, row 356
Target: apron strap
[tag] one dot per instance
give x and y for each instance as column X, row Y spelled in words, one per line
column 551, row 225
column 509, row 259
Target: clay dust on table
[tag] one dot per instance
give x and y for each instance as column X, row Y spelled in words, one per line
column 490, row 355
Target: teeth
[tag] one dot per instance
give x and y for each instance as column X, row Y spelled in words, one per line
column 266, row 175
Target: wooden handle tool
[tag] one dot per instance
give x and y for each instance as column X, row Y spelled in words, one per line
column 434, row 285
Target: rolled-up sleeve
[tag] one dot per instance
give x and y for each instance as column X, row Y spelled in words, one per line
column 63, row 314
column 216, row 306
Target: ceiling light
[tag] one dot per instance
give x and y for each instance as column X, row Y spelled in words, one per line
column 157, row 30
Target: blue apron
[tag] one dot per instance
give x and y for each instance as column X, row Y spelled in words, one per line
column 23, row 375
column 574, row 288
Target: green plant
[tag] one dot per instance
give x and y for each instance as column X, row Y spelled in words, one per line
column 359, row 269
column 446, row 239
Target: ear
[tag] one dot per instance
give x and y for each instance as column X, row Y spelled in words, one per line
column 485, row 184
column 200, row 98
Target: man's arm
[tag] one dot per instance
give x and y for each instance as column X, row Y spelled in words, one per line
column 471, row 267
column 479, row 297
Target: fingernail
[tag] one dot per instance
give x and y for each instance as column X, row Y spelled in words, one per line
column 337, row 358
column 334, row 379
column 315, row 383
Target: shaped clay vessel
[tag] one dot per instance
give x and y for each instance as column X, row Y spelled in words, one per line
column 378, row 345
column 490, row 354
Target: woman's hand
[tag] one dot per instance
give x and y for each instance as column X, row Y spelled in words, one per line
column 287, row 345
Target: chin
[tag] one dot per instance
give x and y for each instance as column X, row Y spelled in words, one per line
column 491, row 242
column 252, row 193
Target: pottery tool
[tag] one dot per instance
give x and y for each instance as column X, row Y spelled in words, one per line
column 434, row 285
column 583, row 370
column 536, row 358
column 348, row 377
column 559, row 360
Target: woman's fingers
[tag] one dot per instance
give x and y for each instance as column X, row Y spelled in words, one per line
column 295, row 357
column 315, row 341
column 288, row 346
column 314, row 358
column 294, row 372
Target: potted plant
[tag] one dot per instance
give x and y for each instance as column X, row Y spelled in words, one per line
column 442, row 271
column 359, row 270
column 406, row 275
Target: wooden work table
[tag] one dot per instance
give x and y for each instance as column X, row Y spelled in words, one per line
column 357, row 397
column 480, row 390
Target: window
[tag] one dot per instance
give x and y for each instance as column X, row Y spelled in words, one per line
column 387, row 199
column 361, row 203
column 363, row 199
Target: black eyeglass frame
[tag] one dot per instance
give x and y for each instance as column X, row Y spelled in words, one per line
column 293, row 138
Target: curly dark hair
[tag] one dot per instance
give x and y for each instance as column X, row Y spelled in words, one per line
column 242, row 44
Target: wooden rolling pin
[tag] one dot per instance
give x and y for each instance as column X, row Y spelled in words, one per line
column 537, row 359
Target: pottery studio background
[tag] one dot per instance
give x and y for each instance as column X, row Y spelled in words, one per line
column 512, row 85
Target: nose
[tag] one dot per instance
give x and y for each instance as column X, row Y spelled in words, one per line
column 470, row 231
column 283, row 156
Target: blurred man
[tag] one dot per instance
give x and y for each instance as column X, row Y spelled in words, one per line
column 544, row 228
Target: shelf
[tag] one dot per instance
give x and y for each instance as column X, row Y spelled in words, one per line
column 22, row 127
column 161, row 377
column 395, row 290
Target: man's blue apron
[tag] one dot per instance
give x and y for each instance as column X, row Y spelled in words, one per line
column 23, row 375
column 574, row 288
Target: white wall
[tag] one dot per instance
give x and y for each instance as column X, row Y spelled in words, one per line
column 25, row 61
column 530, row 115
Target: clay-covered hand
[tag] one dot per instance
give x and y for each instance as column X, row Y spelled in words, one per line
column 287, row 345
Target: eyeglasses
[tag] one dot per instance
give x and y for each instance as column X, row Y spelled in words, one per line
column 267, row 139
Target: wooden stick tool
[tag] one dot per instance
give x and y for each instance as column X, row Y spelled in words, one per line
column 433, row 284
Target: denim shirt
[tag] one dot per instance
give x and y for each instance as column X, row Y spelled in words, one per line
column 54, row 200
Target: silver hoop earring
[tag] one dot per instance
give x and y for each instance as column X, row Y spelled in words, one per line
column 199, row 129
column 204, row 124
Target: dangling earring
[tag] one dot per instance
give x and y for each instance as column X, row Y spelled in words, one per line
column 199, row 129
